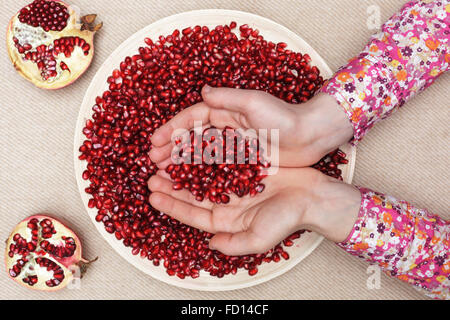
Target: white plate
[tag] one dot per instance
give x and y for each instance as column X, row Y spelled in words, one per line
column 211, row 18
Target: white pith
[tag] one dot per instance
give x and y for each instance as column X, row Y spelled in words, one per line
column 32, row 267
column 36, row 36
column 28, row 34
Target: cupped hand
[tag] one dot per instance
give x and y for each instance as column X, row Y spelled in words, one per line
column 307, row 131
column 293, row 199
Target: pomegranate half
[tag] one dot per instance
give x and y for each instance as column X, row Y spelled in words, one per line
column 44, row 254
column 49, row 44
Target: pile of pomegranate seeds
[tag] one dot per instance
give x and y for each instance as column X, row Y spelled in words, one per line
column 329, row 164
column 148, row 90
column 215, row 167
column 50, row 15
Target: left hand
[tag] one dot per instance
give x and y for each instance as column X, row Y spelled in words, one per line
column 293, row 199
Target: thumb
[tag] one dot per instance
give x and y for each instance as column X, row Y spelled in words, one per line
column 237, row 244
column 239, row 100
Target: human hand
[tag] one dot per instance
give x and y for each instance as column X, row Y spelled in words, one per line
column 307, row 132
column 293, row 199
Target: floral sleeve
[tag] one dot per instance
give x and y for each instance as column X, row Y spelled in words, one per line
column 409, row 53
column 408, row 243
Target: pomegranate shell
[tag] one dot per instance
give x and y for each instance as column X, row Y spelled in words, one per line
column 77, row 63
column 67, row 263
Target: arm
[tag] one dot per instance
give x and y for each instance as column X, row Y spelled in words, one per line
column 329, row 207
column 409, row 53
column 406, row 242
column 406, row 57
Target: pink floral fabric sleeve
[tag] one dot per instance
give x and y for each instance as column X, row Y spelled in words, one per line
column 408, row 243
column 409, row 53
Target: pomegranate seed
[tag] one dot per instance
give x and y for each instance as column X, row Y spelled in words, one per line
column 253, row 271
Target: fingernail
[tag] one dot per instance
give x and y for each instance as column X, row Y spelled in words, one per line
column 206, row 89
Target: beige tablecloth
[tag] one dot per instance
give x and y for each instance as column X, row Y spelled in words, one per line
column 406, row 155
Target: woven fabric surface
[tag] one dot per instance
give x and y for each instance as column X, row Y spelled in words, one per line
column 405, row 156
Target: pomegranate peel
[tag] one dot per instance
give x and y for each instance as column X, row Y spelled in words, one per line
column 43, row 254
column 49, row 44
